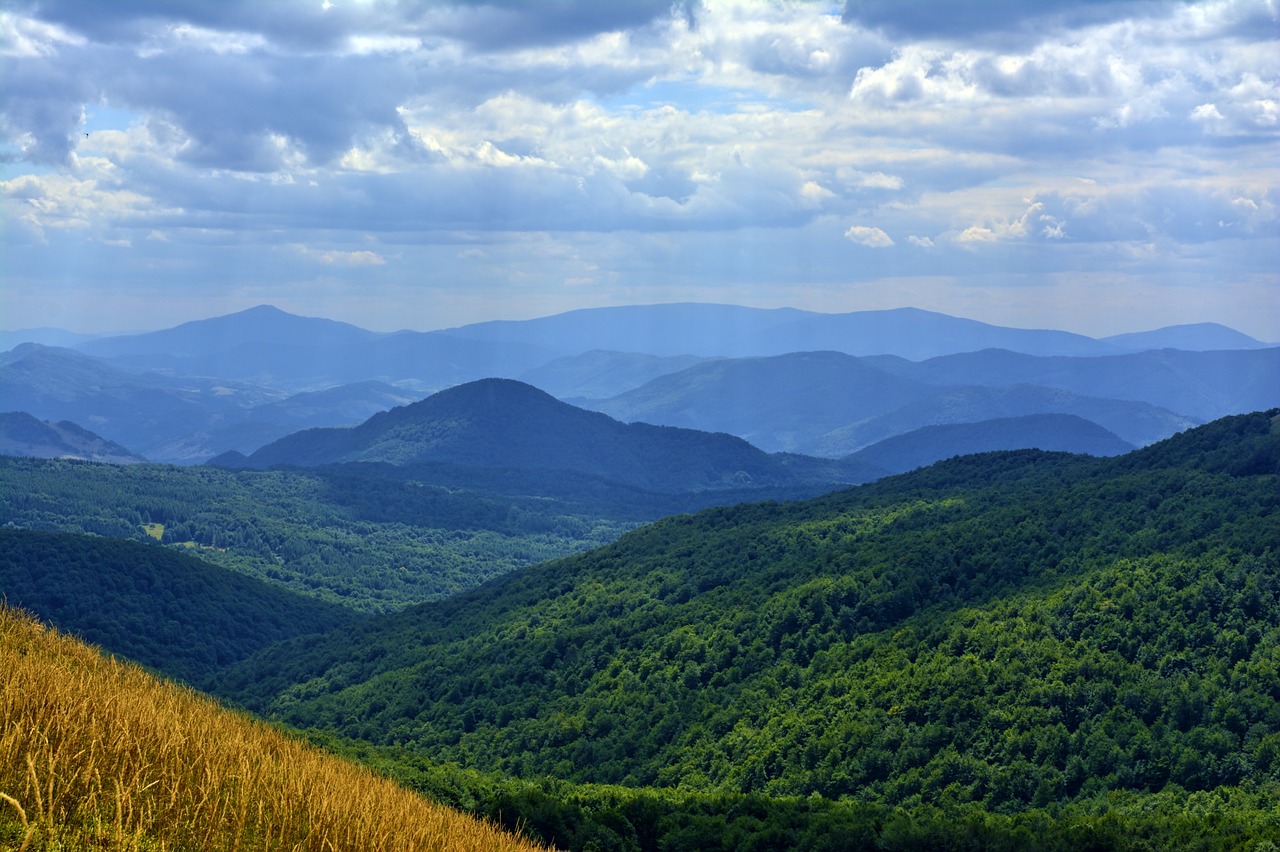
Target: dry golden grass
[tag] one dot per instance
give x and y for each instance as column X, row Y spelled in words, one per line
column 97, row 754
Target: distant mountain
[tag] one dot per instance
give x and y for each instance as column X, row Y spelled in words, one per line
column 504, row 423
column 734, row 331
column 777, row 403
column 42, row 336
column 600, row 374
column 1137, row 423
column 345, row 405
column 140, row 410
column 217, row 335
column 1053, row 432
column 1195, row 337
column 1201, row 385
column 171, row 418
column 23, row 435
column 268, row 346
column 195, row 391
column 830, row 405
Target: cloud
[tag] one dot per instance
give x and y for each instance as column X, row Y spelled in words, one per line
column 341, row 258
column 868, row 236
column 702, row 144
column 962, row 20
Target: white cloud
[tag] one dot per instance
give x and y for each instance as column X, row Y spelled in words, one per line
column 704, row 133
column 26, row 38
column 869, row 236
column 341, row 258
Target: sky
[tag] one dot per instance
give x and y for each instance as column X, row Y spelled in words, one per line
column 1098, row 167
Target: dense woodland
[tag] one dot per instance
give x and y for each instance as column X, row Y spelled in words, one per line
column 998, row 634
column 368, row 542
column 153, row 605
column 1012, row 649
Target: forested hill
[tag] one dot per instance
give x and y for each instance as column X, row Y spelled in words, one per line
column 1012, row 630
column 504, row 423
column 151, row 604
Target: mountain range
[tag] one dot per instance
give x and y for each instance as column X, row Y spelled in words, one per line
column 508, row 424
column 785, row 380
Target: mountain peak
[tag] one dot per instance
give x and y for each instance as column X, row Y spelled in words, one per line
column 507, row 423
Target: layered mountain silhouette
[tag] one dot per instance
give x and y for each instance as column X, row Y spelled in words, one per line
column 783, row 379
column 505, row 423
column 776, row 403
column 1052, row 432
column 268, row 346
column 1195, row 337
column 830, row 404
column 1136, row 423
column 1203, row 385
column 23, row 435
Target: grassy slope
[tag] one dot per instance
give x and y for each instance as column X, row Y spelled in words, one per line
column 96, row 753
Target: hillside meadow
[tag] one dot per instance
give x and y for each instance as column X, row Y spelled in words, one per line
column 97, row 754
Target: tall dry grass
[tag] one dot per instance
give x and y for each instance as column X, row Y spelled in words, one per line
column 98, row 754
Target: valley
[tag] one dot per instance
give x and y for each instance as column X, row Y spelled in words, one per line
column 690, row 596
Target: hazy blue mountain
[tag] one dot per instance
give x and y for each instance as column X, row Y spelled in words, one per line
column 777, row 403
column 174, row 418
column 23, row 435
column 267, row 346
column 600, row 374
column 504, row 423
column 42, row 336
column 432, row 361
column 675, row 329
column 1053, row 432
column 1137, row 423
column 142, row 411
column 1202, row 385
column 734, row 331
column 916, row 334
column 345, row 405
column 1194, row 337
column 216, row 335
column 337, row 406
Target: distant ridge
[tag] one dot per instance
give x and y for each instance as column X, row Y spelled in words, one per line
column 1195, row 337
column 24, row 435
column 1052, row 432
column 261, row 324
column 709, row 330
column 505, row 423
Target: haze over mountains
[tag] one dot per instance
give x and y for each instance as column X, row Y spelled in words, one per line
column 504, row 423
column 782, row 379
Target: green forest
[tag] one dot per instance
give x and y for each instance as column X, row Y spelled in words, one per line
column 1009, row 650
column 995, row 635
column 365, row 540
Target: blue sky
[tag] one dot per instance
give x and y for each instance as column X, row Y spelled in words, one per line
column 1096, row 167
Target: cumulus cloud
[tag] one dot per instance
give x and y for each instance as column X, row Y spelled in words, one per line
column 701, row 130
column 869, row 236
